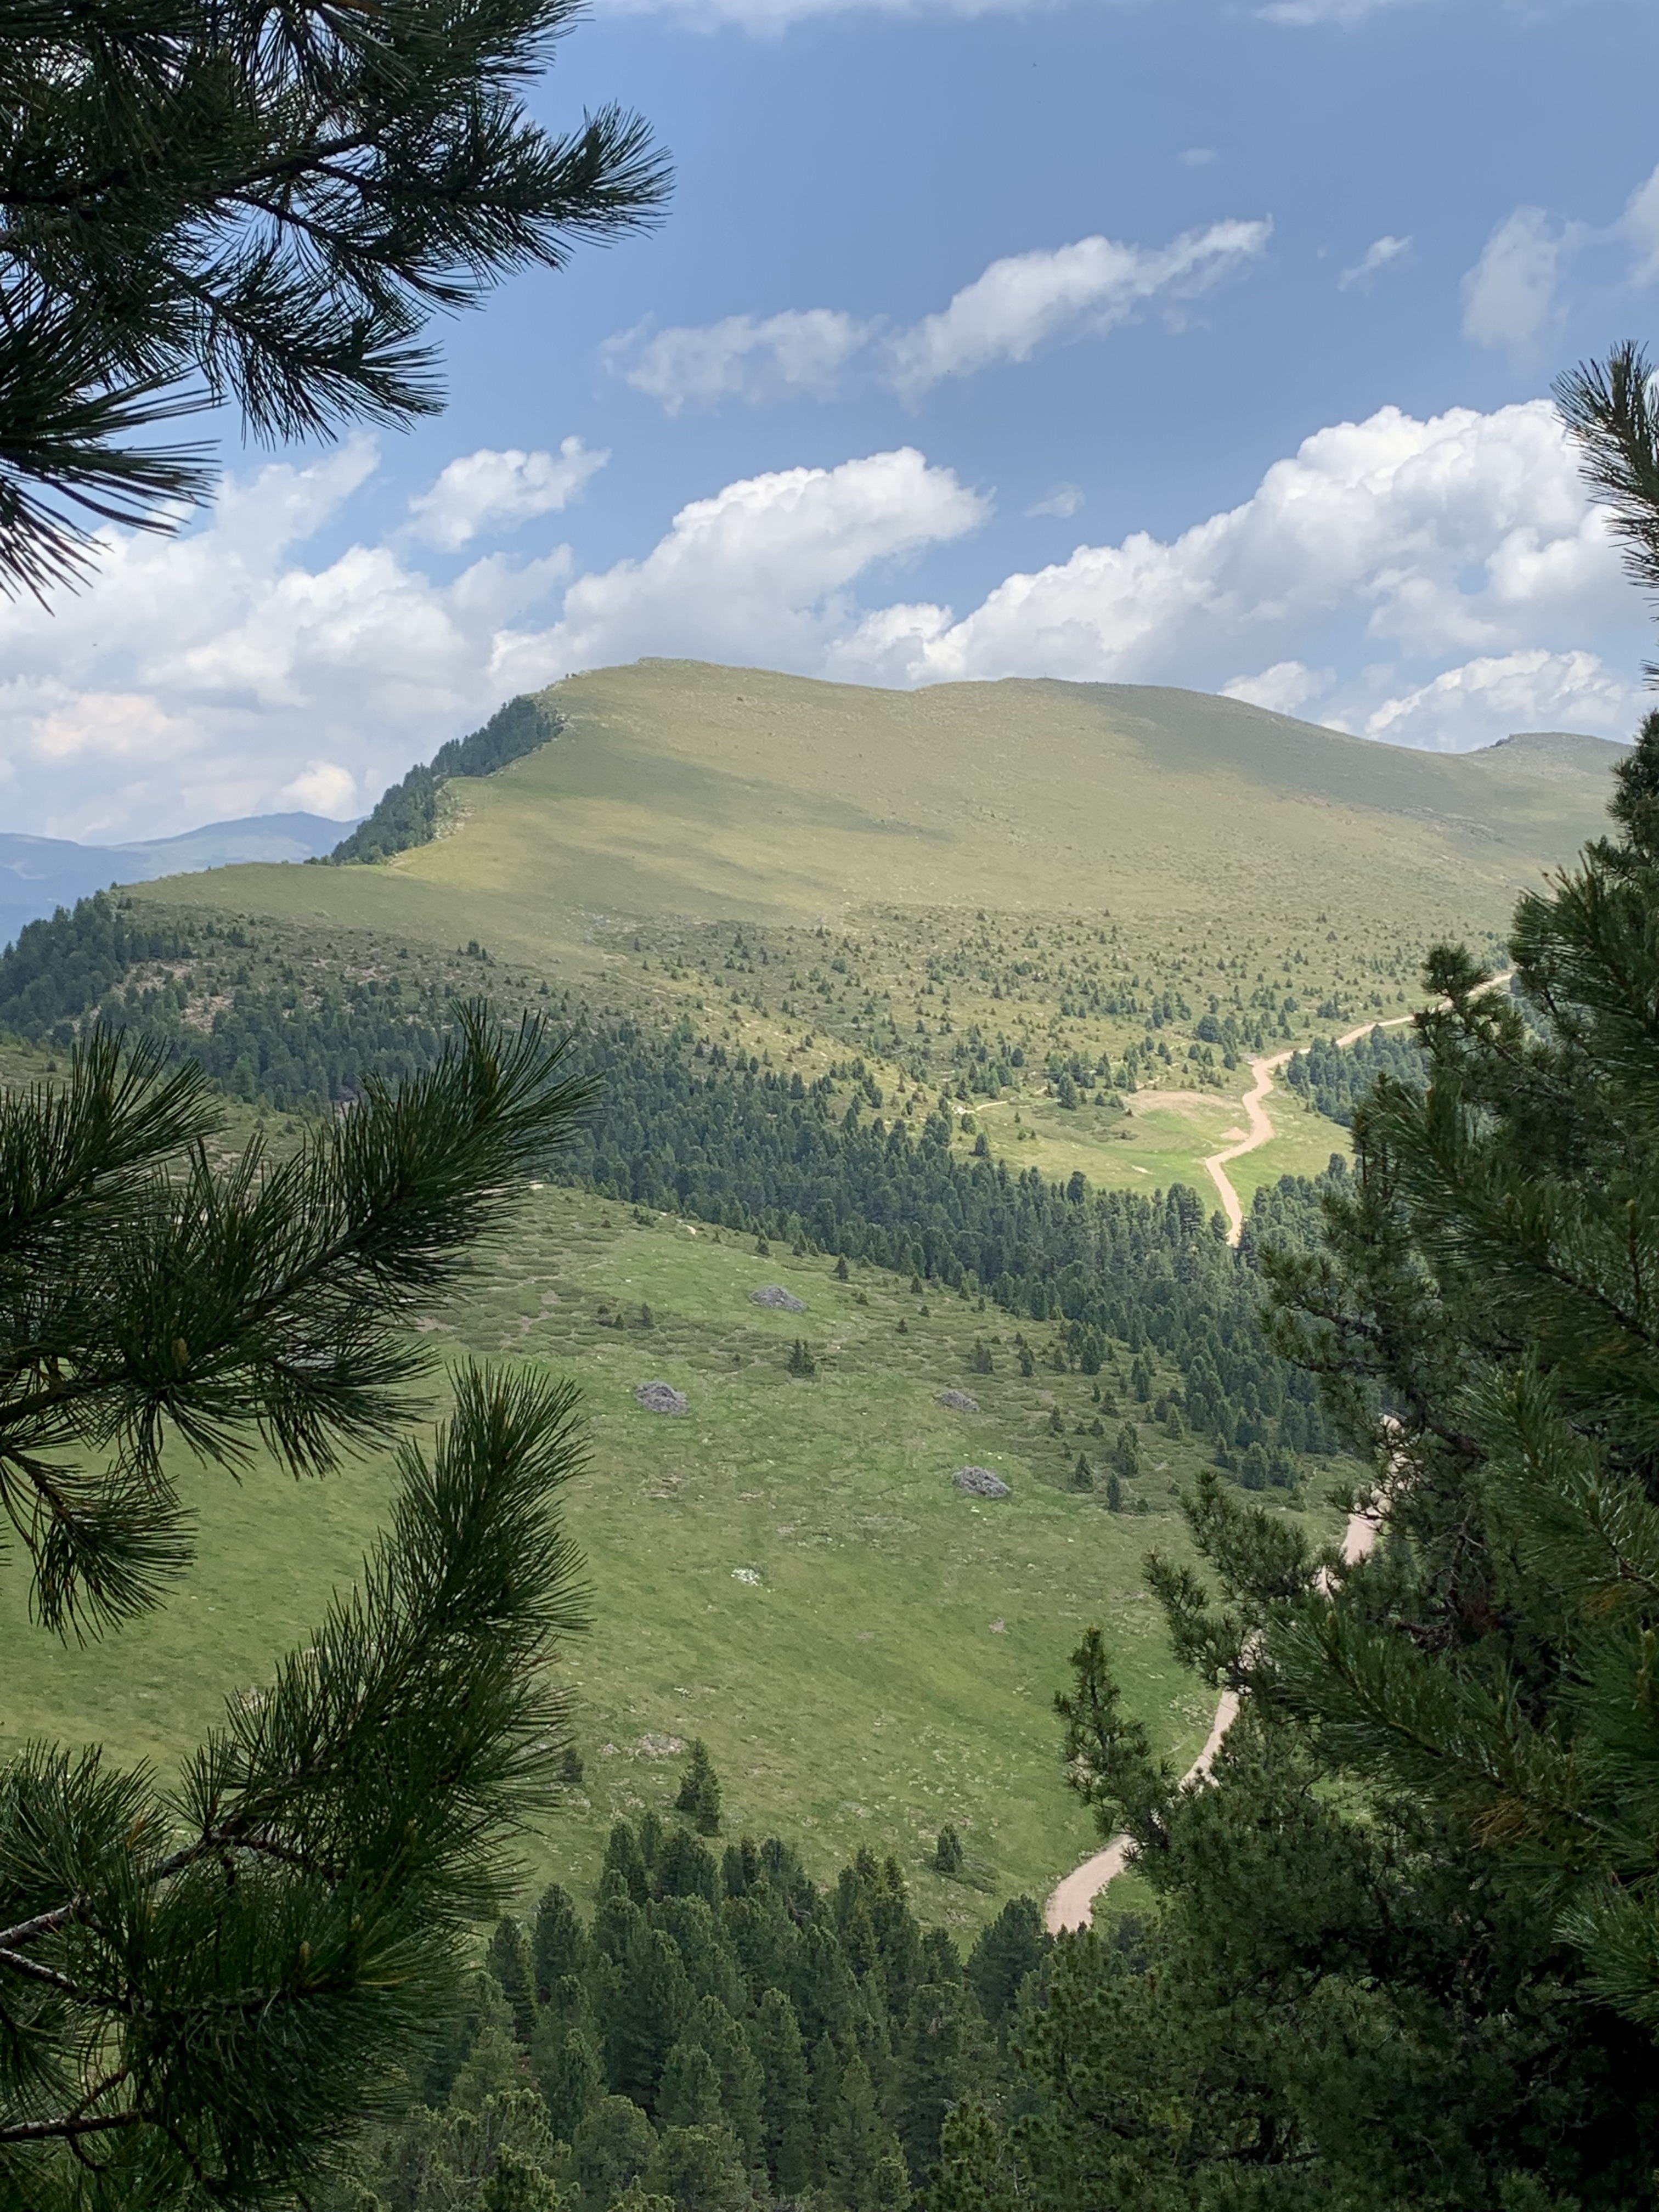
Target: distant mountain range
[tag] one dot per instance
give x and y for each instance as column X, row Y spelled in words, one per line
column 37, row 874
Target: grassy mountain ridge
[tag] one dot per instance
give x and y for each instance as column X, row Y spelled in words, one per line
column 684, row 789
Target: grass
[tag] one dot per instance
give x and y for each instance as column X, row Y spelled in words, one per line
column 1015, row 874
column 1004, row 877
column 788, row 1572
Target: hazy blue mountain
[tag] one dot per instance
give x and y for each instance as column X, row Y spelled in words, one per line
column 37, row 874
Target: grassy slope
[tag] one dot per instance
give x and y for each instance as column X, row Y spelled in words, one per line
column 966, row 844
column 891, row 1668
column 969, row 852
column 706, row 793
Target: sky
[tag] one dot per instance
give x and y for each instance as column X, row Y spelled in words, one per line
column 1193, row 342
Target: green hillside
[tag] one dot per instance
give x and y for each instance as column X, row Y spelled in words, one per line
column 1035, row 927
column 1017, row 875
column 702, row 793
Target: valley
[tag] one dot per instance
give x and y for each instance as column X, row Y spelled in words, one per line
column 1042, row 941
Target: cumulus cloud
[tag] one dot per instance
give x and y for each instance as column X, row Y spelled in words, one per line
column 1465, row 535
column 1494, row 695
column 323, row 787
column 1013, row 309
column 769, row 18
column 1285, row 689
column 1064, row 500
column 1302, row 13
column 207, row 676
column 1030, row 300
column 760, row 572
column 1509, row 296
column 1640, row 225
column 488, row 489
column 743, row 358
column 1433, row 582
column 1382, row 253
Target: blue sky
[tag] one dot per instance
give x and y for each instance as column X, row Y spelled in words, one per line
column 1176, row 342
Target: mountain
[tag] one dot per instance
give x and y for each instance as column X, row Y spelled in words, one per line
column 40, row 874
column 678, row 789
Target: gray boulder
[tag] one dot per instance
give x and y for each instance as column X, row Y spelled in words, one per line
column 980, row 1482
column 662, row 1398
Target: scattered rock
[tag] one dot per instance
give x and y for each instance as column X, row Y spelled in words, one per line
column 662, row 1398
column 661, row 1747
column 778, row 1298
column 998, row 1628
column 958, row 1402
column 744, row 1574
column 980, row 1482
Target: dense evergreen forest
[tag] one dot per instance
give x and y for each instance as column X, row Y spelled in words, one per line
column 406, row 813
column 831, row 1166
column 1336, row 1080
column 719, row 2034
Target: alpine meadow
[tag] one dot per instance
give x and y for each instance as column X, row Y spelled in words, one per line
column 873, row 1436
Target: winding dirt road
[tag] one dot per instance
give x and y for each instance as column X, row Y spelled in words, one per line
column 1260, row 1130
column 1072, row 1903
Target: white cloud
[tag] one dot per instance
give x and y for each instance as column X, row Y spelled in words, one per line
column 1008, row 313
column 1467, row 534
column 1509, row 296
column 1303, row 14
column 1285, row 689
column 1434, row 582
column 199, row 678
column 1640, row 225
column 741, row 358
column 503, row 490
column 1382, row 253
column 323, row 787
column 760, row 572
column 1029, row 300
column 1490, row 697
column 1197, row 157
column 1063, row 501
column 769, row 18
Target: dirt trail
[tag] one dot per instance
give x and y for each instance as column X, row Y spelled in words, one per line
column 1261, row 1129
column 1071, row 1903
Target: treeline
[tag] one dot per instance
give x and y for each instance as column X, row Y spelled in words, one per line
column 679, row 1126
column 1335, row 1078
column 407, row 812
column 720, row 2035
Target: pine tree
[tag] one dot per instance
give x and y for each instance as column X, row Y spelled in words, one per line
column 567, row 2073
column 1012, row 1946
column 558, row 1945
column 866, row 2165
column 1406, row 1948
column 507, row 1958
column 801, row 1361
column 209, row 1983
column 268, row 210
column 689, row 2093
column 791, row 2148
column 942, row 2057
column 699, row 1797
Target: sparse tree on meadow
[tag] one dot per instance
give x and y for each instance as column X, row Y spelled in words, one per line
column 699, row 1797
